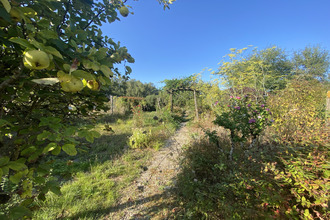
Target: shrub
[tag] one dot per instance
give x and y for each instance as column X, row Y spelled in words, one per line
column 244, row 119
column 140, row 139
column 138, row 117
column 301, row 130
column 299, row 113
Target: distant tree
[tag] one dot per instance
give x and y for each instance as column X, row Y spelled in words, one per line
column 136, row 88
column 277, row 66
column 117, row 87
column 313, row 62
column 186, row 82
column 266, row 69
column 133, row 88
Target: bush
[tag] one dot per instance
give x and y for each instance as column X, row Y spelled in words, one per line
column 300, row 128
column 299, row 113
column 140, row 139
column 138, row 116
column 286, row 178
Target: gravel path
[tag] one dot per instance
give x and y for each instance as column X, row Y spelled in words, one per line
column 150, row 196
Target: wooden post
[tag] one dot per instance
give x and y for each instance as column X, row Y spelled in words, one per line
column 111, row 101
column 196, row 107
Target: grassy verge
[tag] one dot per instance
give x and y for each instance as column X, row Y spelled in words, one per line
column 93, row 180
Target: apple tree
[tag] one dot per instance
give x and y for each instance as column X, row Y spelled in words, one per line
column 54, row 60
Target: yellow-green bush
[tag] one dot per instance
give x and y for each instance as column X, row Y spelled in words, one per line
column 300, row 129
column 140, row 139
column 299, row 113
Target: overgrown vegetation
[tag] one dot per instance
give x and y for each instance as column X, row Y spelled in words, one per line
column 261, row 145
column 54, row 61
column 284, row 174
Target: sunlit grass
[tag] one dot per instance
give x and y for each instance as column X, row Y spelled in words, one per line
column 93, row 180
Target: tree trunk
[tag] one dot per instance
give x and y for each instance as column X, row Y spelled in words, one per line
column 111, row 100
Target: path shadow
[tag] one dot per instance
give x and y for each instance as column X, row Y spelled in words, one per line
column 104, row 148
column 145, row 213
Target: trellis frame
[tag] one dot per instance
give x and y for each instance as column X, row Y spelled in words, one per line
column 171, row 91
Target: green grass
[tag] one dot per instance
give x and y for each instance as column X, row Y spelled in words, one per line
column 92, row 180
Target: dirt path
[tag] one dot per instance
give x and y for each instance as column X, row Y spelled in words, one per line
column 150, row 196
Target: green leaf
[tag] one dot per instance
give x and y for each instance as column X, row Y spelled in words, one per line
column 96, row 134
column 1, row 173
column 44, row 135
column 39, row 180
column 95, row 66
column 29, row 11
column 69, row 131
column 54, row 187
column 4, row 122
column 46, row 81
column 18, row 176
column 74, row 44
column 106, row 71
column 56, row 151
column 28, row 151
column 70, row 149
column 49, row 147
column 83, row 74
column 66, row 67
column 53, row 51
column 17, row 165
column 5, row 16
column 101, row 53
column 22, row 42
column 128, row 70
column 34, row 157
column 89, row 137
column 4, row 161
column 19, row 212
column 87, row 64
column 48, row 34
column 6, row 5
column 101, row 79
column 37, row 44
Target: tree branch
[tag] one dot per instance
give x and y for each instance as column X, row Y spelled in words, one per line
column 92, row 20
column 63, row 18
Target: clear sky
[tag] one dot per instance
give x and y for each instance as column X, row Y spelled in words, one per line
column 196, row 34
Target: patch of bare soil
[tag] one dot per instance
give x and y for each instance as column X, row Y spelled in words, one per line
column 150, row 197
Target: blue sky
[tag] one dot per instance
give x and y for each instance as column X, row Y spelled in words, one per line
column 196, row 34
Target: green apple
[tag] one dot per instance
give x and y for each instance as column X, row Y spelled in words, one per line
column 36, row 59
column 69, row 83
column 93, row 85
column 74, row 85
column 124, row 11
